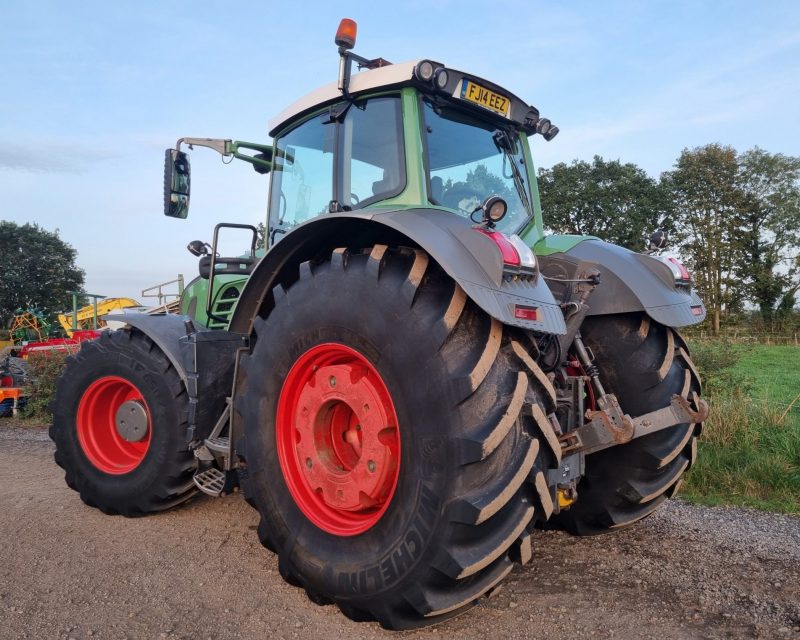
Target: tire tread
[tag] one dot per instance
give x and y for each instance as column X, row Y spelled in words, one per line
column 489, row 518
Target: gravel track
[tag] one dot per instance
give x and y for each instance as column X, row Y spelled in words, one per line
column 68, row 571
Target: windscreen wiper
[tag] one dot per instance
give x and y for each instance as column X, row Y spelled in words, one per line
column 504, row 143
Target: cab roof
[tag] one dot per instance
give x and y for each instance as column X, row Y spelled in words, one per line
column 388, row 76
column 451, row 91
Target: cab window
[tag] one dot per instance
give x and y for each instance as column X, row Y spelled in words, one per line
column 371, row 143
column 302, row 173
column 365, row 146
column 466, row 164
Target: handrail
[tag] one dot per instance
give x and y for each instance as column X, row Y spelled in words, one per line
column 163, row 297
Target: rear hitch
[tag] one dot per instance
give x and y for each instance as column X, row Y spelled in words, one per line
column 610, row 426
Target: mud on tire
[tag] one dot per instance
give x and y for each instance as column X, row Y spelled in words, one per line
column 462, row 503
column 113, row 475
column 644, row 363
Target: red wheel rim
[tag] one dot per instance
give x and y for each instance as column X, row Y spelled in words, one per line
column 98, row 435
column 338, row 439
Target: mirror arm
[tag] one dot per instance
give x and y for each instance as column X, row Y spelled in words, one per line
column 228, row 148
column 223, row 147
column 252, row 146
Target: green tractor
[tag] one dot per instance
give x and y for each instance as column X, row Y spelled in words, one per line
column 413, row 377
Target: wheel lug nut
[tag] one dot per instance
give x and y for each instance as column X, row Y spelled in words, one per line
column 371, row 466
column 309, row 464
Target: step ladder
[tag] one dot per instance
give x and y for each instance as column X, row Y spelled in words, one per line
column 215, row 465
column 212, row 480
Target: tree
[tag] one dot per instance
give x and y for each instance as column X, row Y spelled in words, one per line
column 481, row 180
column 709, row 208
column 261, row 236
column 37, row 269
column 771, row 190
column 617, row 202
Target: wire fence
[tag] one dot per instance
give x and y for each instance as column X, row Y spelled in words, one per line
column 746, row 337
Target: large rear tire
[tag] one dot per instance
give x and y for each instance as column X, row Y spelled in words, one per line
column 454, row 442
column 119, row 425
column 644, row 363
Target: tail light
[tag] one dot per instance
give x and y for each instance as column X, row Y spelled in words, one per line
column 517, row 256
column 680, row 272
column 510, row 255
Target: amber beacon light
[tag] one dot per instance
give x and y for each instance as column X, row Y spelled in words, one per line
column 346, row 34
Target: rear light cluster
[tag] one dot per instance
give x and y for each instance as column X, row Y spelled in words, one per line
column 518, row 259
column 680, row 272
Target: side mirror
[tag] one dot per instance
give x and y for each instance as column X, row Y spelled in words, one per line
column 176, row 183
column 198, row 248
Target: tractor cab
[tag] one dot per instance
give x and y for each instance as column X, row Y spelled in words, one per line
column 395, row 139
column 416, row 134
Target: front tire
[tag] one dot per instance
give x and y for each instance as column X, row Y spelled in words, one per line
column 643, row 363
column 119, row 425
column 454, row 506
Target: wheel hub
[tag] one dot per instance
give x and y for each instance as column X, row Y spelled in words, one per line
column 113, row 424
column 131, row 421
column 338, row 439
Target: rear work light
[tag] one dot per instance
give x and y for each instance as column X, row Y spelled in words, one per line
column 424, row 70
column 517, row 256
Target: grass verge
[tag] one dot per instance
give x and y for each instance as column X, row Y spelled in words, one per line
column 749, row 453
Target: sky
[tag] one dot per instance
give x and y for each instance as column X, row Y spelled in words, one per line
column 93, row 92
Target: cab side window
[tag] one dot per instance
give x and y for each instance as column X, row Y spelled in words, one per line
column 373, row 162
column 363, row 146
column 302, row 181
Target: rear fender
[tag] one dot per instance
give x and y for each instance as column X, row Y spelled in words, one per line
column 629, row 282
column 470, row 258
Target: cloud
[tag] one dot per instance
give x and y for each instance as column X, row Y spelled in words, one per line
column 48, row 157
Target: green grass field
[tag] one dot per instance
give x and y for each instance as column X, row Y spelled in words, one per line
column 749, row 453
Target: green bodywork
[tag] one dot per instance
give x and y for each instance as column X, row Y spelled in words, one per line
column 555, row 243
column 414, row 195
column 193, row 300
column 415, row 192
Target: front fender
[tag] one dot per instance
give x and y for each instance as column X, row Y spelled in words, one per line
column 470, row 258
column 629, row 281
